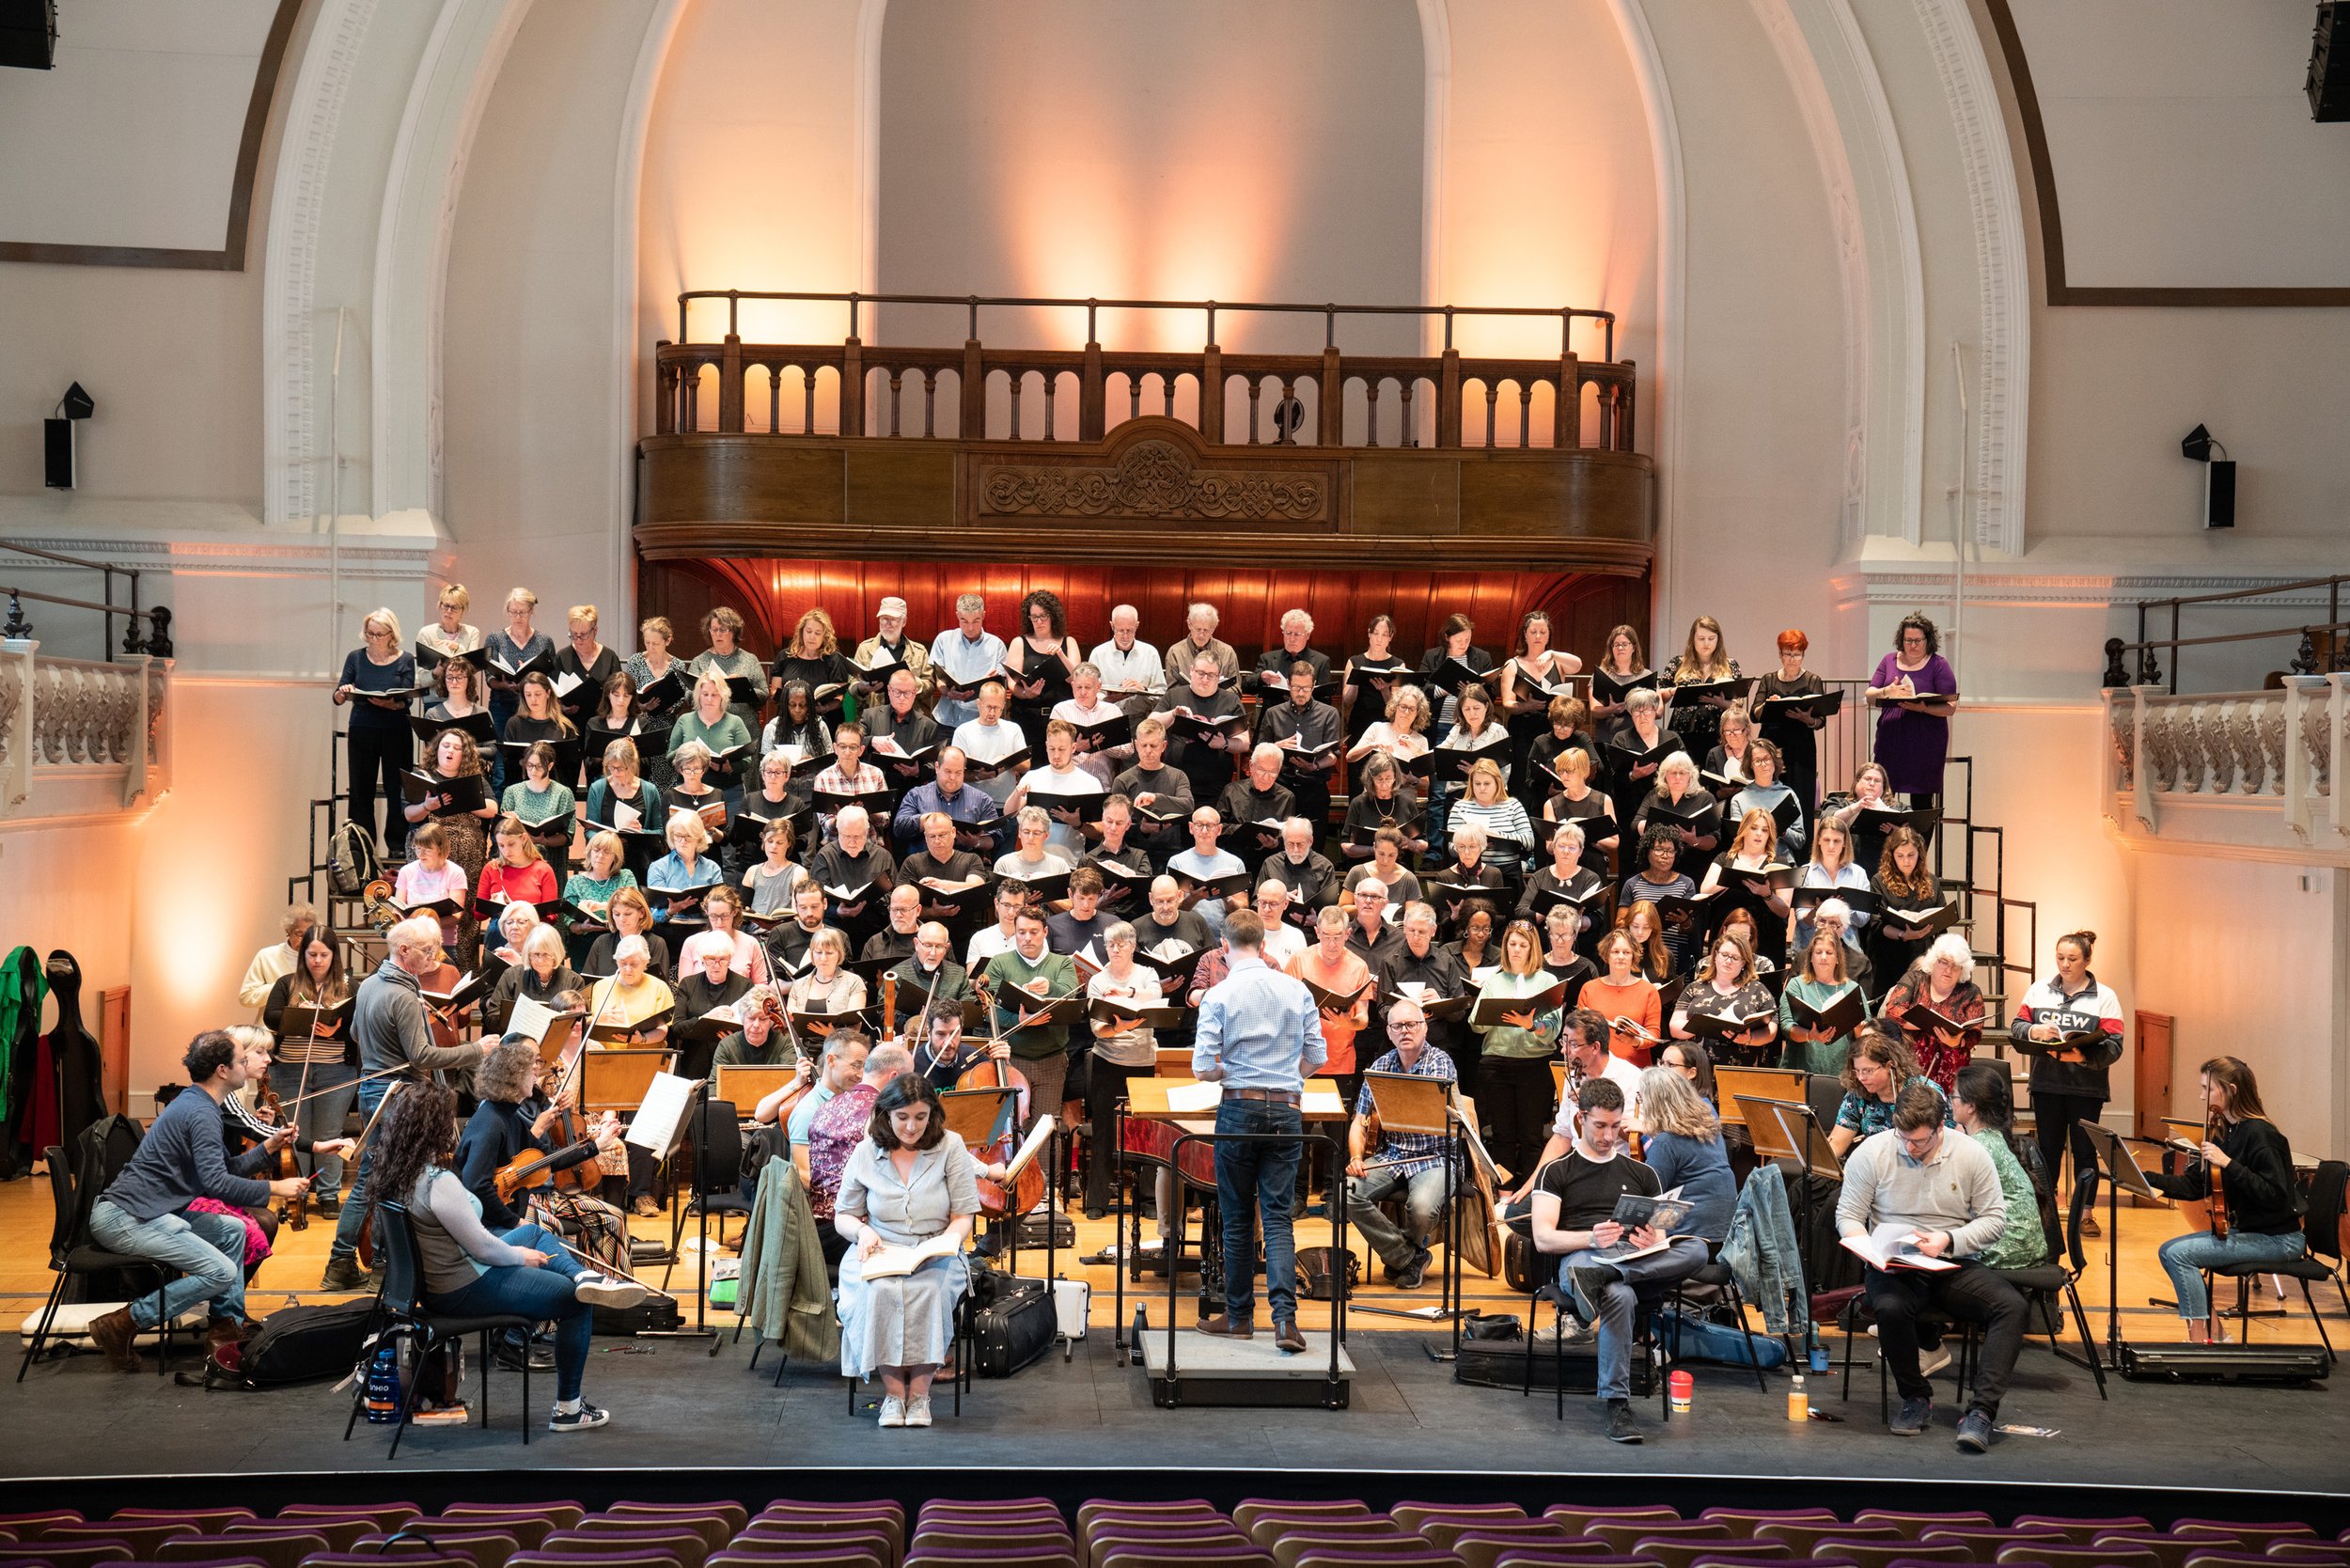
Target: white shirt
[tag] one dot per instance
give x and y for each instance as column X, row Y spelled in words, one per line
column 1046, row 784
column 1103, row 766
column 1139, row 665
column 985, row 944
column 1625, row 1077
column 990, row 743
column 1282, row 941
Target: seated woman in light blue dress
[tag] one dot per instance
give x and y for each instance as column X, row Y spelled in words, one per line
column 910, row 1181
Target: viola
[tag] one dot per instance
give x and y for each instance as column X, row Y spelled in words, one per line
column 2214, row 1125
column 530, row 1169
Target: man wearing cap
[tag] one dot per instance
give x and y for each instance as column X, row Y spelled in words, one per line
column 901, row 650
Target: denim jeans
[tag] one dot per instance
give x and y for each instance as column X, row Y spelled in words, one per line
column 1621, row 1300
column 356, row 1206
column 1261, row 1177
column 537, row 1294
column 320, row 1119
column 1423, row 1204
column 207, row 1249
column 2185, row 1258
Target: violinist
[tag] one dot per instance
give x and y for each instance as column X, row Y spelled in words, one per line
column 314, row 1073
column 2243, row 1168
column 1019, row 984
column 947, row 1053
column 256, row 1116
column 515, row 1117
column 761, row 1041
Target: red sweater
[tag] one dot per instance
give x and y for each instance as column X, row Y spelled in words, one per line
column 533, row 884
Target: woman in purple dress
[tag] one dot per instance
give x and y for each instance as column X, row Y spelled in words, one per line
column 1918, row 691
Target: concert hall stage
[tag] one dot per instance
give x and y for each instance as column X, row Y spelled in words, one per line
column 688, row 1425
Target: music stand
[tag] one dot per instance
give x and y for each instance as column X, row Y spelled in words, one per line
column 1409, row 1104
column 2120, row 1169
column 1734, row 1084
column 688, row 1119
column 1171, row 1062
column 618, row 1080
column 747, row 1083
column 1787, row 1130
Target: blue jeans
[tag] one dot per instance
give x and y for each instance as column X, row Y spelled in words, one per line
column 1621, row 1300
column 539, row 1294
column 2185, row 1258
column 207, row 1249
column 1261, row 1177
column 356, row 1206
column 319, row 1120
column 1424, row 1205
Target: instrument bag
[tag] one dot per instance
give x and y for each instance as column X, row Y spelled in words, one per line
column 1013, row 1326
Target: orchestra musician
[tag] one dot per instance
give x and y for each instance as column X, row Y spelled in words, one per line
column 760, row 1040
column 1411, row 1165
column 390, row 1024
column 2264, row 1204
column 313, row 1073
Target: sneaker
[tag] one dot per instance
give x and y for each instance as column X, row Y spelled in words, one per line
column 581, row 1420
column 1932, row 1361
column 1415, row 1274
column 530, row 1356
column 893, row 1411
column 917, row 1412
column 1915, row 1416
column 1620, row 1427
column 343, row 1273
column 644, row 1207
column 601, row 1290
column 1974, row 1431
column 1587, row 1285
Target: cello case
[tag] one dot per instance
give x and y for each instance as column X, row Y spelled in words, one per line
column 22, row 987
column 72, row 1054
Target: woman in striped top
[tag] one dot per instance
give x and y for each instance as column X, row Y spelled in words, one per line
column 1509, row 836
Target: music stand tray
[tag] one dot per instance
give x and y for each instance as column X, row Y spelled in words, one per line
column 1787, row 1130
column 978, row 1116
column 617, row 1080
column 747, row 1083
column 1784, row 1084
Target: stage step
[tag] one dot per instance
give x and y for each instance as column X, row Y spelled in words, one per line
column 1211, row 1370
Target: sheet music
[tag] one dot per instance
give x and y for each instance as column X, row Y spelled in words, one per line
column 1322, row 1101
column 1189, row 1098
column 654, row 1126
column 1037, row 1136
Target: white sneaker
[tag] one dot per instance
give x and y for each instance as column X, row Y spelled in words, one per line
column 1932, row 1361
column 601, row 1290
column 919, row 1411
column 893, row 1411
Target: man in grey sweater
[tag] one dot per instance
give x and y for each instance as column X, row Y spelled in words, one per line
column 388, row 1021
column 143, row 1212
column 1944, row 1191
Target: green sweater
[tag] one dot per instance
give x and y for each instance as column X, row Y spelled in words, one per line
column 1824, row 1058
column 2023, row 1243
column 1007, row 975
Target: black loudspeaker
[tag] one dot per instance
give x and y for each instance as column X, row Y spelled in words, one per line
column 2219, row 494
column 2224, row 1363
column 28, row 34
column 2329, row 62
column 57, row 453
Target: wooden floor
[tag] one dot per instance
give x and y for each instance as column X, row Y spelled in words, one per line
column 291, row 1275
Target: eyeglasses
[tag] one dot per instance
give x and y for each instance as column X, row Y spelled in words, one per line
column 1408, row 1023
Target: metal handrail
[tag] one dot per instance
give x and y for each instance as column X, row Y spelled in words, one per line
column 2305, row 662
column 974, row 302
column 157, row 642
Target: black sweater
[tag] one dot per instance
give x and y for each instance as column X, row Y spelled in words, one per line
column 2257, row 1184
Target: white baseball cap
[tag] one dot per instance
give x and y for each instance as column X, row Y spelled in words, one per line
column 893, row 605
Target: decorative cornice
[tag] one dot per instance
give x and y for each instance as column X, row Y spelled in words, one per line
column 1925, row 586
column 2002, row 378
column 306, row 557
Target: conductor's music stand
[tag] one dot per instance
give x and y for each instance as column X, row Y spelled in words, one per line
column 1409, row 1104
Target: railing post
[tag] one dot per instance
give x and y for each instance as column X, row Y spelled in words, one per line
column 973, row 388
column 1448, row 394
column 1090, row 417
column 664, row 393
column 1333, row 400
column 730, row 387
column 1212, row 394
column 852, row 386
column 1567, row 416
column 1631, row 395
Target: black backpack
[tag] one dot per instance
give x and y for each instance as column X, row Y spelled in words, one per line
column 294, row 1344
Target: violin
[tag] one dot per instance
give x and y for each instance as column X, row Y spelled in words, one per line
column 530, row 1169
column 2214, row 1125
column 571, row 1177
column 271, row 1110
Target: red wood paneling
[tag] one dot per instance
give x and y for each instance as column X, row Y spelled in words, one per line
column 773, row 594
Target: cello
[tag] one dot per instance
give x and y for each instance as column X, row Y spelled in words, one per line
column 1028, row 1188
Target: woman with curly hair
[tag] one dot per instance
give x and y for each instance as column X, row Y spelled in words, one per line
column 1917, row 691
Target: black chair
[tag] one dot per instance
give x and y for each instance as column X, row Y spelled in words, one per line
column 71, row 1253
column 1643, row 1338
column 400, row 1313
column 2320, row 1260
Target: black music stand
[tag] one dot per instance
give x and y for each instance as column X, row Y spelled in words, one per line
column 2120, row 1169
column 688, row 1120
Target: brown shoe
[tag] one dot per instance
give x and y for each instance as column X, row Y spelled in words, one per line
column 1228, row 1326
column 223, row 1331
column 113, row 1334
column 1287, row 1340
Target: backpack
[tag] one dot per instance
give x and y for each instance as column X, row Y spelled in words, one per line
column 1317, row 1264
column 293, row 1345
column 351, row 862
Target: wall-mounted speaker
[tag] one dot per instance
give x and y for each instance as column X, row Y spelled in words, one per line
column 56, row 453
column 2219, row 494
column 28, row 34
column 2329, row 62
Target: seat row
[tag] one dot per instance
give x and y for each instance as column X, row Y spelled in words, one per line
column 1032, row 1534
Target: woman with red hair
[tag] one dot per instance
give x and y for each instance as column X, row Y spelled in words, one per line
column 1794, row 732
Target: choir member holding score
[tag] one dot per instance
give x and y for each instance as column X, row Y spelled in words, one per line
column 377, row 683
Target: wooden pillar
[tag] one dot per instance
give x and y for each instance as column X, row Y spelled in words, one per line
column 730, row 387
column 1090, row 410
column 1333, row 400
column 1567, row 417
column 852, row 387
column 1449, row 398
column 1212, row 395
column 974, row 391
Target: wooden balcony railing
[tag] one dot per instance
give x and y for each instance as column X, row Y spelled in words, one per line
column 980, row 392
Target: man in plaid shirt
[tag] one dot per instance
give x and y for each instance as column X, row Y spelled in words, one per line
column 1411, row 1163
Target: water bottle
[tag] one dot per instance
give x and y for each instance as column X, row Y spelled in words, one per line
column 382, row 1383
column 1798, row 1404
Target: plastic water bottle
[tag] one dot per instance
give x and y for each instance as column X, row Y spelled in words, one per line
column 1798, row 1404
